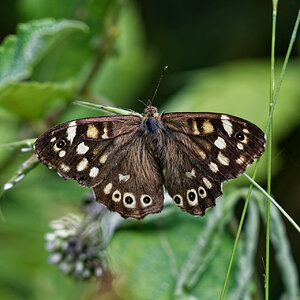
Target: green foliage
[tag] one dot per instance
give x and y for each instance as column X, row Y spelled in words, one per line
column 99, row 54
column 19, row 54
column 19, row 97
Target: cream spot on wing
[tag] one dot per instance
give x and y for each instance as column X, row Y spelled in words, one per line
column 195, row 128
column 240, row 146
column 192, row 197
column 246, row 130
column 213, row 167
column 207, row 127
column 82, row 148
column 202, row 154
column 94, row 172
column 107, row 188
column 241, row 160
column 71, row 132
column 191, row 174
column 224, row 160
column 116, row 196
column 178, row 200
column 104, row 135
column 146, row 200
column 220, row 143
column 92, row 132
column 129, row 200
column 103, row 158
column 82, row 164
column 62, row 153
column 224, row 117
column 53, row 139
column 202, row 192
column 207, row 183
column 65, row 167
column 123, row 177
column 227, row 125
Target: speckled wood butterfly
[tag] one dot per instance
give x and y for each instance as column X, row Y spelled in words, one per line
column 127, row 159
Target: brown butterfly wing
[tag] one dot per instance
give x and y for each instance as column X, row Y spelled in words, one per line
column 103, row 151
column 205, row 149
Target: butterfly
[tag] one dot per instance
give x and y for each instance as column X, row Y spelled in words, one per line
column 127, row 159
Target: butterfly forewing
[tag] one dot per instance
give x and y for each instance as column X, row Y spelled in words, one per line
column 81, row 148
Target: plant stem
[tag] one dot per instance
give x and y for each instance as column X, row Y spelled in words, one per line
column 237, row 237
column 269, row 147
column 274, row 202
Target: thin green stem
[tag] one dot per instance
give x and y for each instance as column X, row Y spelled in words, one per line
column 269, row 147
column 237, row 237
column 295, row 225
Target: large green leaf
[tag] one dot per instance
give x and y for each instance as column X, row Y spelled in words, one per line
column 30, row 100
column 19, row 54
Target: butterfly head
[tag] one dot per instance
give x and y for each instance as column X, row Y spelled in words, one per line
column 151, row 112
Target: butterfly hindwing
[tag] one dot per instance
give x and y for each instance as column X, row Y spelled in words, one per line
column 191, row 188
column 135, row 187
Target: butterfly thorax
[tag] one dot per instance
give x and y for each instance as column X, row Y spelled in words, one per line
column 152, row 120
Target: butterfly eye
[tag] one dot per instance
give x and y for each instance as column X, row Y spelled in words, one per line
column 240, row 136
column 60, row 144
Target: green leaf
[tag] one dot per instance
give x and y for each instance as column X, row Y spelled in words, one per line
column 20, row 53
column 30, row 100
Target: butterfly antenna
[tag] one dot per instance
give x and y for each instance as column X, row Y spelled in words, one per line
column 160, row 78
column 142, row 102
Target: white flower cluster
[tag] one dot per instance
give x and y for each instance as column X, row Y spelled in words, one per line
column 75, row 246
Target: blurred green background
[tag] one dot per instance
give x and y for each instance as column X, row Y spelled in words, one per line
column 218, row 57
